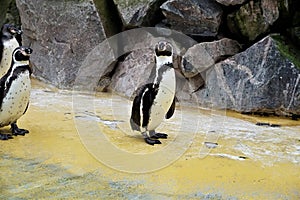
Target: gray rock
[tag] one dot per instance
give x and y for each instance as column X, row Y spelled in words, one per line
column 254, row 18
column 193, row 17
column 61, row 34
column 94, row 71
column 139, row 12
column 261, row 79
column 133, row 72
column 204, row 55
column 231, row 2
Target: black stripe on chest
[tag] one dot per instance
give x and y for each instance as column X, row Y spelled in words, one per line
column 4, row 88
column 161, row 71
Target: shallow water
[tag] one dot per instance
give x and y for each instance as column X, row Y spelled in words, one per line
column 82, row 146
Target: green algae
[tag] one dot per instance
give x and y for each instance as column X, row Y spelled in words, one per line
column 287, row 49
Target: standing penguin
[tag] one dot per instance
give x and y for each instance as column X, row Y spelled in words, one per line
column 15, row 89
column 156, row 100
column 9, row 41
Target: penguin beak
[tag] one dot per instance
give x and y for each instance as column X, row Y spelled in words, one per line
column 26, row 51
column 14, row 30
column 19, row 32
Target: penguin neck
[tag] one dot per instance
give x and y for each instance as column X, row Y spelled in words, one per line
column 163, row 60
column 16, row 65
column 163, row 65
column 20, row 63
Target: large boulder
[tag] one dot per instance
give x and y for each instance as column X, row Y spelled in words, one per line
column 133, row 72
column 61, row 34
column 139, row 12
column 194, row 17
column 265, row 79
column 254, row 18
column 204, row 55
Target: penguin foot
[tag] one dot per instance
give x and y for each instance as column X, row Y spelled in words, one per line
column 159, row 136
column 18, row 131
column 5, row 136
column 151, row 141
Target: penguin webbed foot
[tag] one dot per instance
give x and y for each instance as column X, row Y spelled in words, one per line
column 160, row 136
column 18, row 131
column 151, row 141
column 5, row 136
column 155, row 135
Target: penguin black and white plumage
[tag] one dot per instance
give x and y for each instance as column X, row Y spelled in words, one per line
column 15, row 88
column 10, row 40
column 155, row 100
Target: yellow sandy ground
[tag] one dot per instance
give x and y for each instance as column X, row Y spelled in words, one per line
column 51, row 161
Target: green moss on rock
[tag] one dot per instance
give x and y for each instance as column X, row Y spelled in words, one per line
column 287, row 49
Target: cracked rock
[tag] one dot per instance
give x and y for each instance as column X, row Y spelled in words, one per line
column 62, row 33
column 265, row 78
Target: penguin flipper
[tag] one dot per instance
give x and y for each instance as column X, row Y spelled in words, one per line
column 1, row 48
column 135, row 111
column 145, row 95
column 2, row 89
column 171, row 110
column 26, row 108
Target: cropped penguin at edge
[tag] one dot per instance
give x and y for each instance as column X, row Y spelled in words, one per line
column 155, row 100
column 15, row 88
column 10, row 37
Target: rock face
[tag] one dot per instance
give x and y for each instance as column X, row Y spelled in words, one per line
column 254, row 18
column 61, row 33
column 204, row 55
column 139, row 12
column 201, row 18
column 231, row 2
column 65, row 37
column 260, row 79
column 133, row 72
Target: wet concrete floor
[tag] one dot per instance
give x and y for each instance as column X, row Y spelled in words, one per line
column 81, row 146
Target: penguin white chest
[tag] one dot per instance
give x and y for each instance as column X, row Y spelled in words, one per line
column 8, row 48
column 163, row 99
column 16, row 99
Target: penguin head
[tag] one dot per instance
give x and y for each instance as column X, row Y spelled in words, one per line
column 163, row 53
column 9, row 30
column 22, row 54
column 163, row 48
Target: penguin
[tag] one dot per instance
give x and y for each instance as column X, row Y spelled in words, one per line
column 15, row 88
column 155, row 100
column 10, row 40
